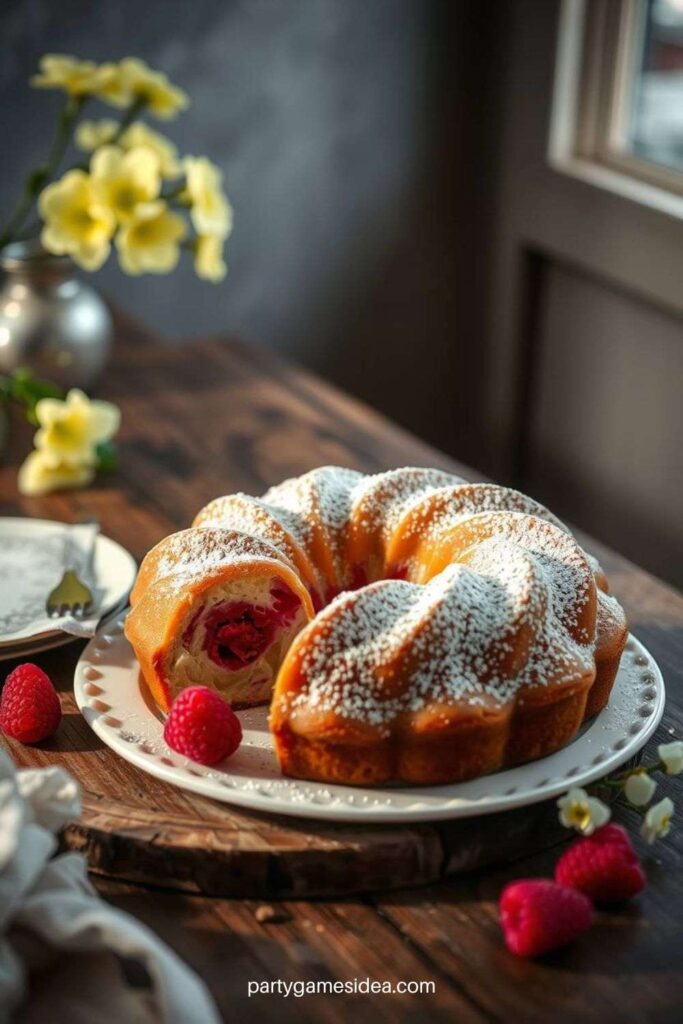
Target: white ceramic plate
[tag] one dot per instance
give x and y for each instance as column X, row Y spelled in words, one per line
column 115, row 702
column 31, row 564
column 27, row 648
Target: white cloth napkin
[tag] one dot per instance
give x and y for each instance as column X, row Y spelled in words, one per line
column 31, row 566
column 52, row 922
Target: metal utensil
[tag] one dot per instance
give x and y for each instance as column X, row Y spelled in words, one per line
column 71, row 596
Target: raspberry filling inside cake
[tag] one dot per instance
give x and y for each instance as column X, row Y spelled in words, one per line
column 235, row 638
column 236, row 633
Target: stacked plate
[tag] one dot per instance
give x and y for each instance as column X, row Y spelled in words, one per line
column 32, row 560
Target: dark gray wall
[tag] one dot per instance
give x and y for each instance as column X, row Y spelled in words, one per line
column 356, row 143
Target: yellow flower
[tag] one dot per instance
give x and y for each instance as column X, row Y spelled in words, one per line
column 150, row 242
column 582, row 812
column 71, row 429
column 77, row 222
column 91, row 134
column 208, row 258
column 135, row 80
column 211, row 212
column 77, row 77
column 139, row 134
column 38, row 476
column 123, row 180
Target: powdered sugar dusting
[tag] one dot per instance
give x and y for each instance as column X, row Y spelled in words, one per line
column 196, row 552
column 474, row 636
column 277, row 526
column 436, row 513
column 520, row 611
column 319, row 499
column 379, row 501
column 565, row 569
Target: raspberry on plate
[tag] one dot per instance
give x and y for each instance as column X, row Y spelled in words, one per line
column 29, row 706
column 604, row 866
column 538, row 915
column 202, row 726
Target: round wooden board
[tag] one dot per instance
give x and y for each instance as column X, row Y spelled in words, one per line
column 226, row 852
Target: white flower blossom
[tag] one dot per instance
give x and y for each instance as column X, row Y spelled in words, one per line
column 671, row 756
column 639, row 788
column 657, row 821
column 582, row 812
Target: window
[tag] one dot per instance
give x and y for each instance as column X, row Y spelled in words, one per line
column 618, row 103
column 655, row 119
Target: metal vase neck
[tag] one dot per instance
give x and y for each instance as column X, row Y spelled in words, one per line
column 31, row 260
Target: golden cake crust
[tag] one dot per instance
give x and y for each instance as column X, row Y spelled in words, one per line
column 459, row 628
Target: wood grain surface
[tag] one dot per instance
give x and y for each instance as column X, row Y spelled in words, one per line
column 211, row 418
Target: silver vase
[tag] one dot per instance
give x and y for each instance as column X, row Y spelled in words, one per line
column 50, row 322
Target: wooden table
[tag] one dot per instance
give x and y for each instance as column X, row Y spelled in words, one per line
column 215, row 417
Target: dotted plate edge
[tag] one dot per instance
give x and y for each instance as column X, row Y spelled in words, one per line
column 130, row 728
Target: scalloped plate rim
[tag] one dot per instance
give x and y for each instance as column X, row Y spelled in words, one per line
column 510, row 788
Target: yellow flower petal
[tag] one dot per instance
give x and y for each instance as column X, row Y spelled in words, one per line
column 78, row 78
column 49, row 411
column 91, row 134
column 211, row 212
column 105, row 420
column 70, row 430
column 135, row 80
column 139, row 134
column 122, row 180
column 208, row 258
column 76, row 221
column 150, row 241
column 38, row 476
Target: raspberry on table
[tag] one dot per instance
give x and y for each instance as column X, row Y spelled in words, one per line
column 612, row 833
column 29, row 706
column 537, row 915
column 604, row 866
column 202, row 726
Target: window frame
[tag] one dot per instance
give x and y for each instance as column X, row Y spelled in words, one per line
column 599, row 45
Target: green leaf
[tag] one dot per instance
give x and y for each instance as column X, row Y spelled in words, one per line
column 28, row 390
column 36, row 179
column 5, row 389
column 107, row 456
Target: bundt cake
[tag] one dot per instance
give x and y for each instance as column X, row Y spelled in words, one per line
column 414, row 627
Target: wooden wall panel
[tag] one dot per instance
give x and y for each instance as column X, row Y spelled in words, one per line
column 605, row 436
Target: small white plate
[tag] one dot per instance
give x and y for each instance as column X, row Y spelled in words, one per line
column 30, row 647
column 32, row 563
column 45, row 642
column 115, row 702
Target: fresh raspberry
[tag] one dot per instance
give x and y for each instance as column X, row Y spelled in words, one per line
column 29, row 707
column 604, row 866
column 202, row 726
column 538, row 915
column 612, row 833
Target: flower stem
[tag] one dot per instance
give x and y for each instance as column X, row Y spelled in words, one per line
column 175, row 191
column 127, row 119
column 36, row 180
